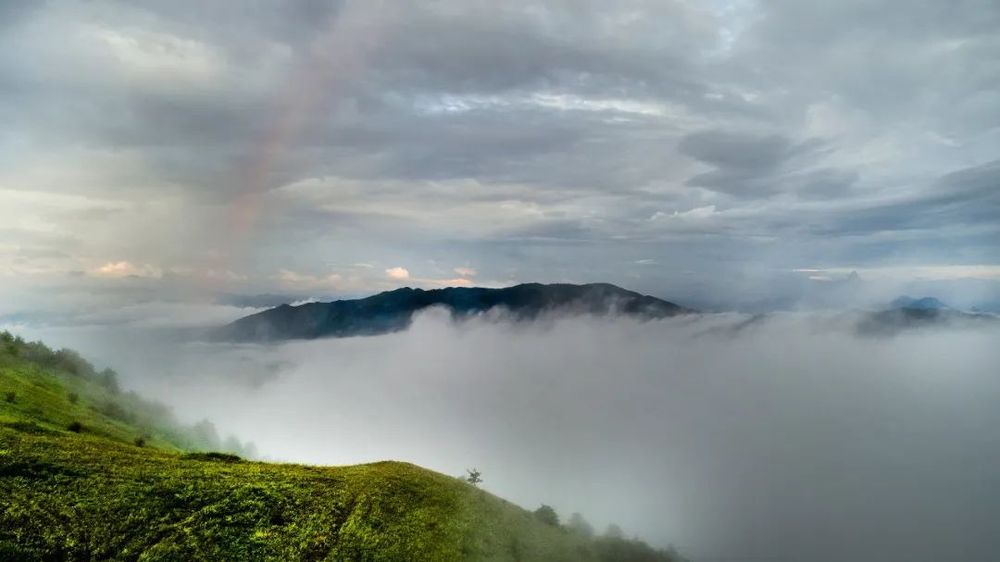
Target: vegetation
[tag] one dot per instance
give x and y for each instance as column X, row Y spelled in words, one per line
column 474, row 477
column 546, row 514
column 60, row 388
column 76, row 486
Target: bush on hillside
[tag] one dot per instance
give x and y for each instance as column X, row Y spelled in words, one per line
column 212, row 456
column 109, row 380
column 474, row 477
column 116, row 411
column 547, row 515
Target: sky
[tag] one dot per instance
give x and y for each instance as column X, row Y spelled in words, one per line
column 718, row 152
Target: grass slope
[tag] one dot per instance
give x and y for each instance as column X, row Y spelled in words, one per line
column 94, row 494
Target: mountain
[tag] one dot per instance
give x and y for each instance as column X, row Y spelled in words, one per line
column 90, row 472
column 896, row 320
column 925, row 303
column 393, row 310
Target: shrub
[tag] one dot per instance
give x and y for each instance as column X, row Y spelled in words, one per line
column 475, row 477
column 71, row 362
column 73, row 398
column 10, row 343
column 10, row 397
column 140, row 441
column 75, row 427
column 109, row 380
column 28, row 427
column 211, row 456
column 547, row 515
column 116, row 411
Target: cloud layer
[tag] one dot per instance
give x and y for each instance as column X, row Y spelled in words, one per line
column 239, row 150
column 789, row 438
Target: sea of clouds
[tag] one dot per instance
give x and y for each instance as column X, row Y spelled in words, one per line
column 785, row 437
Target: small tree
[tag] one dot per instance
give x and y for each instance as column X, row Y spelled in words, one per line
column 474, row 477
column 140, row 441
column 73, row 398
column 10, row 396
column 547, row 515
column 109, row 379
column 10, row 344
column 75, row 427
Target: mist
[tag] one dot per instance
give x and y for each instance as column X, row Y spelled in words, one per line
column 786, row 438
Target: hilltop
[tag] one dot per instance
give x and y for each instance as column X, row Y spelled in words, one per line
column 393, row 310
column 907, row 313
column 89, row 472
column 924, row 303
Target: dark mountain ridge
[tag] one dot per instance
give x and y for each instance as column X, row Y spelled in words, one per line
column 925, row 303
column 393, row 310
column 906, row 313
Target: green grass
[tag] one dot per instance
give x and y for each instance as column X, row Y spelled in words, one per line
column 96, row 495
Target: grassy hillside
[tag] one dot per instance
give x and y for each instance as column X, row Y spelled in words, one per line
column 90, row 473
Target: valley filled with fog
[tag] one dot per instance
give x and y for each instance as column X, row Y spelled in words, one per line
column 785, row 437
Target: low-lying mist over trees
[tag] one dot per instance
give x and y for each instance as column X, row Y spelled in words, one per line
column 787, row 437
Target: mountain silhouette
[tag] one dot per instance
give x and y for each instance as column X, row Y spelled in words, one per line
column 393, row 310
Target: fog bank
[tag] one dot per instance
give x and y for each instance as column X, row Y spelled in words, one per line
column 787, row 438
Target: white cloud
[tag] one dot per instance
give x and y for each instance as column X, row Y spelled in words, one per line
column 127, row 269
column 153, row 56
column 397, row 273
column 304, row 281
column 465, row 271
column 915, row 272
column 696, row 213
column 457, row 282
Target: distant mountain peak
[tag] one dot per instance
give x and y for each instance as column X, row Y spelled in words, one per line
column 392, row 311
column 924, row 303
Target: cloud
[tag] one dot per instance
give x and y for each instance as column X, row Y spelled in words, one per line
column 456, row 282
column 465, row 271
column 127, row 269
column 926, row 272
column 729, row 436
column 690, row 214
column 517, row 137
column 397, row 273
column 302, row 281
column 754, row 165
